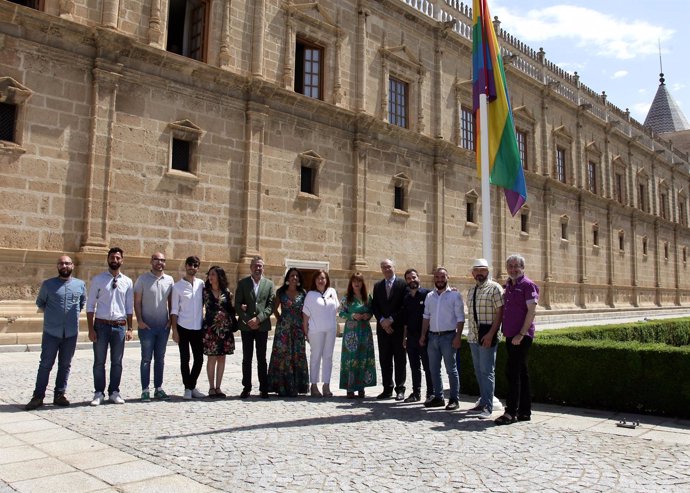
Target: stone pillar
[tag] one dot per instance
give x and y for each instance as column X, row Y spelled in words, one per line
column 676, row 267
column 224, row 56
column 546, row 250
column 438, row 253
column 581, row 250
column 337, row 82
column 111, row 13
column 361, row 57
column 155, row 33
column 633, row 260
column 255, row 135
column 610, row 269
column 104, row 85
column 657, row 264
column 289, row 54
column 360, row 150
column 258, row 34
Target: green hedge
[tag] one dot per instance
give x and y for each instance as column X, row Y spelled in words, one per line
column 641, row 367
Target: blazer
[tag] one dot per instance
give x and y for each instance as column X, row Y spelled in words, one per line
column 260, row 306
column 384, row 307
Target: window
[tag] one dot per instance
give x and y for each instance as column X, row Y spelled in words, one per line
column 306, row 180
column 32, row 4
column 467, row 129
column 644, row 245
column 397, row 102
column 8, row 122
column 522, row 147
column 524, row 222
column 309, row 69
column 682, row 218
column 181, row 155
column 685, row 254
column 592, row 177
column 666, row 250
column 470, row 213
column 619, row 188
column 621, row 241
column 187, row 28
column 595, row 235
column 663, row 205
column 642, row 201
column 399, row 199
column 560, row 164
column 564, row 227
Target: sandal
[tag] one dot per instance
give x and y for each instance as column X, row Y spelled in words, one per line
column 212, row 393
column 220, row 394
column 506, row 419
column 360, row 394
column 350, row 395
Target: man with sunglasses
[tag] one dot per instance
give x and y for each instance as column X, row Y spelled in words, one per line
column 109, row 309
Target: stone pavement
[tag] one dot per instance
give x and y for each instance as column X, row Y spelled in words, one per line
column 303, row 444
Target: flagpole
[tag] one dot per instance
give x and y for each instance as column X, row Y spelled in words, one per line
column 486, row 190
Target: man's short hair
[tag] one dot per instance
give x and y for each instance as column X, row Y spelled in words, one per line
column 517, row 258
column 410, row 271
column 116, row 250
column 191, row 260
column 387, row 260
column 256, row 258
column 439, row 268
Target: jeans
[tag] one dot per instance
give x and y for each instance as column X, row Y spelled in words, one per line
column 112, row 336
column 484, row 361
column 195, row 340
column 442, row 347
column 249, row 338
column 52, row 347
column 321, row 346
column 519, row 400
column 391, row 350
column 419, row 359
column 153, row 345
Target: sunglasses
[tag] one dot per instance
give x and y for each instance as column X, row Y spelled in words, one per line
column 114, row 282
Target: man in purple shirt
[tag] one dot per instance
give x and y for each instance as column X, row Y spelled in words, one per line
column 520, row 305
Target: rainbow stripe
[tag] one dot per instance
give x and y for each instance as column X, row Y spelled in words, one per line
column 488, row 77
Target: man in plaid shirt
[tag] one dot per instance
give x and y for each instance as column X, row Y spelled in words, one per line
column 485, row 312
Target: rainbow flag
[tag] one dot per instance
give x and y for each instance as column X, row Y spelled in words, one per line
column 489, row 78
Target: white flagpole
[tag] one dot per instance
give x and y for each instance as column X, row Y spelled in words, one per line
column 486, row 191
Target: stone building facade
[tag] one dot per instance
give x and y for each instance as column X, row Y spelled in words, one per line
column 318, row 134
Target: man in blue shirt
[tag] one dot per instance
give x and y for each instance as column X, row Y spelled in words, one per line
column 61, row 299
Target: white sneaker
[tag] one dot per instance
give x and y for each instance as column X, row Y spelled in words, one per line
column 97, row 399
column 197, row 395
column 485, row 414
column 116, row 399
column 497, row 404
column 187, row 394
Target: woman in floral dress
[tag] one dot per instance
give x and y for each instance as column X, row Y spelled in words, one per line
column 288, row 374
column 357, row 364
column 219, row 324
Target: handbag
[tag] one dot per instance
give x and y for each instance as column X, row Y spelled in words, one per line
column 482, row 329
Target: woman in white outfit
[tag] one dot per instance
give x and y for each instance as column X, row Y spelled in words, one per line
column 319, row 313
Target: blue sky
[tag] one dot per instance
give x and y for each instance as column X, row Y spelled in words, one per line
column 612, row 44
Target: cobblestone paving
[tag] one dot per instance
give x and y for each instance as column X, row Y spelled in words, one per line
column 335, row 444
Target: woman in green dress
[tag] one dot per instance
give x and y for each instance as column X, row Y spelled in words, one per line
column 288, row 372
column 357, row 364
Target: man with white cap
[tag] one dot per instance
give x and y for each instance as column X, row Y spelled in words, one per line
column 485, row 312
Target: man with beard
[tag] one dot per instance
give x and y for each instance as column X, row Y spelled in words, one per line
column 109, row 316
column 485, row 307
column 521, row 296
column 152, row 295
column 444, row 318
column 413, row 311
column 61, row 299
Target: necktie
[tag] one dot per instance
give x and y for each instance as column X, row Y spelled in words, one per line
column 389, row 285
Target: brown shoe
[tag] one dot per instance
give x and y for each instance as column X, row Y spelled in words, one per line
column 60, row 400
column 315, row 391
column 34, row 403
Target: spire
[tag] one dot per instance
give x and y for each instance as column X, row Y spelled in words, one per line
column 665, row 114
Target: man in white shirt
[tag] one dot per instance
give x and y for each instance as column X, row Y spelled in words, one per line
column 444, row 318
column 186, row 322
column 109, row 308
column 152, row 293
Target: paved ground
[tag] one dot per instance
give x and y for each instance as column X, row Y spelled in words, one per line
column 304, row 444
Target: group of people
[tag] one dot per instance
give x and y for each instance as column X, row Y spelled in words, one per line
column 413, row 323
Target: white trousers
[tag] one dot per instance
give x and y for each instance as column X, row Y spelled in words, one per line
column 322, row 344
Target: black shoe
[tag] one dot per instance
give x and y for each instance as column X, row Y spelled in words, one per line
column 386, row 394
column 400, row 396
column 360, row 394
column 34, row 403
column 60, row 400
column 264, row 395
column 429, row 398
column 452, row 405
column 524, row 417
column 506, row 419
column 245, row 393
column 435, row 402
column 413, row 398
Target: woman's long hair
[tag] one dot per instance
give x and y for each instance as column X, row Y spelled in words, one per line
column 222, row 278
column 300, row 282
column 357, row 276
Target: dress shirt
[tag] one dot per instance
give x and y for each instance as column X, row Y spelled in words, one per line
column 322, row 310
column 187, row 303
column 489, row 298
column 444, row 311
column 61, row 301
column 110, row 303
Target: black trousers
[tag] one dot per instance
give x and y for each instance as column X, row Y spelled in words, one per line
column 419, row 359
column 391, row 350
column 195, row 340
column 250, row 338
column 519, row 400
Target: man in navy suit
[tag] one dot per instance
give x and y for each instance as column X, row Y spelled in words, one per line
column 254, row 298
column 387, row 307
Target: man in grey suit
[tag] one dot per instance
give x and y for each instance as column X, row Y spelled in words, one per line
column 254, row 298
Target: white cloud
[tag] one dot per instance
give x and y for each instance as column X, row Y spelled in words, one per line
column 639, row 110
column 607, row 35
column 677, row 86
column 618, row 74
